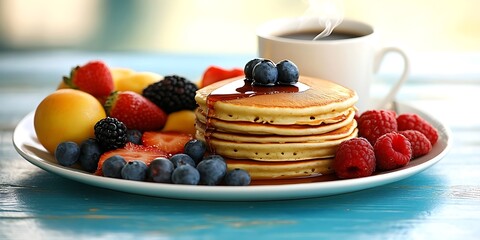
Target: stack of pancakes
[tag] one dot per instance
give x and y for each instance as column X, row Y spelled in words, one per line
column 276, row 132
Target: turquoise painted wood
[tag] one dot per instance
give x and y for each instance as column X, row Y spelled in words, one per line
column 442, row 202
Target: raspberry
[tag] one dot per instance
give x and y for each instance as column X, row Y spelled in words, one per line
column 392, row 151
column 354, row 158
column 411, row 121
column 420, row 144
column 374, row 123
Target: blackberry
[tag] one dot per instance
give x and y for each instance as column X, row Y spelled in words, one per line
column 110, row 133
column 173, row 93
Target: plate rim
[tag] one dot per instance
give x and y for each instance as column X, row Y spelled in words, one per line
column 241, row 193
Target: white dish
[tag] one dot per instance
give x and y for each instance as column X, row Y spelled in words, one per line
column 27, row 145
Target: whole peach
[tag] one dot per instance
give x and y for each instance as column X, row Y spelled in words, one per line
column 66, row 115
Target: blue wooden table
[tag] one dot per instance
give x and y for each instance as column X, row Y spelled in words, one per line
column 442, row 202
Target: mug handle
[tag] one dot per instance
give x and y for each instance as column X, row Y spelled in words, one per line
column 388, row 99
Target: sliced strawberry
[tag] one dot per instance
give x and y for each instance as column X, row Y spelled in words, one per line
column 135, row 111
column 214, row 74
column 131, row 152
column 169, row 142
column 94, row 78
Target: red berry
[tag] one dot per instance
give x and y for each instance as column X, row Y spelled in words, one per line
column 392, row 151
column 131, row 152
column 411, row 121
column 135, row 111
column 214, row 74
column 354, row 158
column 420, row 144
column 374, row 123
column 94, row 78
column 169, row 142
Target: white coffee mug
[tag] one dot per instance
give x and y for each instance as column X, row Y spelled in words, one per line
column 350, row 57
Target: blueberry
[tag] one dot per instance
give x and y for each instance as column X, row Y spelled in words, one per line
column 287, row 72
column 212, row 170
column 237, row 177
column 214, row 156
column 160, row 170
column 248, row 70
column 186, row 174
column 90, row 152
column 135, row 170
column 265, row 73
column 67, row 153
column 182, row 159
column 195, row 149
column 134, row 136
column 112, row 166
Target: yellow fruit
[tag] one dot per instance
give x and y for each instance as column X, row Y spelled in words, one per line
column 181, row 121
column 137, row 81
column 66, row 115
column 119, row 73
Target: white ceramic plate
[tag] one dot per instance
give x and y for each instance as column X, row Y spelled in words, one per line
column 26, row 143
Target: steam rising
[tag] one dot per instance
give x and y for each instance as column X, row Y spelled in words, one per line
column 329, row 13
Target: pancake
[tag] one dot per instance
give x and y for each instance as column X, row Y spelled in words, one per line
column 307, row 103
column 326, row 118
column 276, row 151
column 282, row 170
column 338, row 133
column 276, row 132
column 265, row 129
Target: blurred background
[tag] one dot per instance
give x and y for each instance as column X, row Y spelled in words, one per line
column 218, row 26
column 41, row 40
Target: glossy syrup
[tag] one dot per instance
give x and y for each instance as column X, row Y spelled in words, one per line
column 238, row 89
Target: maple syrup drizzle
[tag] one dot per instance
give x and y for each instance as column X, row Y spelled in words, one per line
column 238, row 89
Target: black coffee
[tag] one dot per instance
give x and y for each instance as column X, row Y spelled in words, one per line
column 312, row 35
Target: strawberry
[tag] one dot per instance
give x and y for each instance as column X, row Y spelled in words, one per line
column 135, row 111
column 214, row 74
column 170, row 142
column 94, row 78
column 131, row 152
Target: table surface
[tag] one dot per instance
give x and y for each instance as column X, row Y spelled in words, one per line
column 442, row 202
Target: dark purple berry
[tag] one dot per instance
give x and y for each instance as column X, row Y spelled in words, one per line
column 67, row 153
column 287, row 73
column 265, row 73
column 248, row 70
